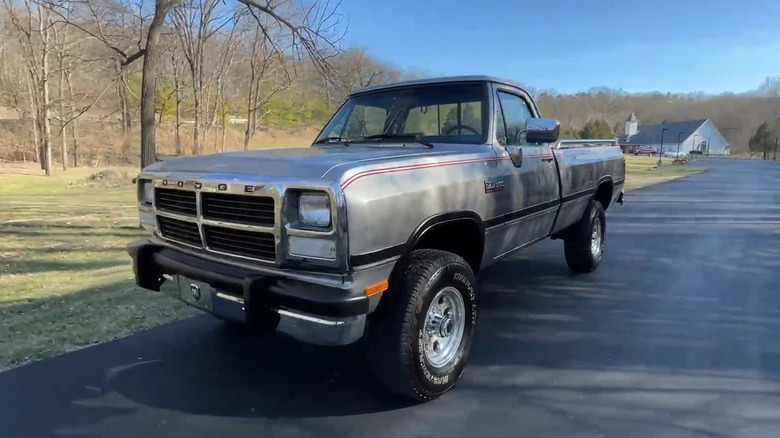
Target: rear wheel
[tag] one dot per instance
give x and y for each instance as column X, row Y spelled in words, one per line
column 419, row 348
column 585, row 243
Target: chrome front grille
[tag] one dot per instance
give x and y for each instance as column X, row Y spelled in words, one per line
column 253, row 244
column 227, row 223
column 179, row 231
column 176, row 201
column 250, row 210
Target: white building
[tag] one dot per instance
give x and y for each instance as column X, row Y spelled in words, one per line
column 690, row 135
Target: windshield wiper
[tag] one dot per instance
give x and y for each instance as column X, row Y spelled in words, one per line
column 416, row 138
column 325, row 140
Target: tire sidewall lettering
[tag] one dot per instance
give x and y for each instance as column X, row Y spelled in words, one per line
column 458, row 277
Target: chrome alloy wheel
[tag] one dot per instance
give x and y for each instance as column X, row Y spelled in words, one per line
column 595, row 238
column 445, row 323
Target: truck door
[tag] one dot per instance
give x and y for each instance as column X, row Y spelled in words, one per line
column 529, row 200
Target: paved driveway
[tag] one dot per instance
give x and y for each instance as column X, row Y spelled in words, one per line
column 676, row 334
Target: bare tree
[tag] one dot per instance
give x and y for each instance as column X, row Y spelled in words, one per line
column 196, row 22
column 267, row 77
column 178, row 70
column 226, row 60
column 149, row 84
column 61, row 48
column 297, row 33
column 32, row 25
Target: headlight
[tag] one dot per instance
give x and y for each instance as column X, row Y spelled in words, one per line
column 314, row 209
column 145, row 191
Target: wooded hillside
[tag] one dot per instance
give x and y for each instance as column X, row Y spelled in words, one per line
column 237, row 75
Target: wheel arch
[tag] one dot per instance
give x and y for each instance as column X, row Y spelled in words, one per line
column 604, row 190
column 427, row 236
column 430, row 233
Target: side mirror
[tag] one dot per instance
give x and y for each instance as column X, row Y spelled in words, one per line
column 540, row 130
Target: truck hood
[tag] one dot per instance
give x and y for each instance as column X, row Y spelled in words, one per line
column 316, row 162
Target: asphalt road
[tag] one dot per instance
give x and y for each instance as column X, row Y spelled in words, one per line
column 677, row 334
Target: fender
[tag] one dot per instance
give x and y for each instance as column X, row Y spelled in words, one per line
column 388, row 299
column 403, row 250
column 443, row 218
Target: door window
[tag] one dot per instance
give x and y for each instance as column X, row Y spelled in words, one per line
column 513, row 115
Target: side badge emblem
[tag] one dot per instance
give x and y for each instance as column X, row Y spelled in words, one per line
column 494, row 186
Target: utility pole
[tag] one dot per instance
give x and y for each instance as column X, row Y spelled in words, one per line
column 678, row 142
column 661, row 153
column 775, row 156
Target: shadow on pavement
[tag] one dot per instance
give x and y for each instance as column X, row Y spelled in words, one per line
column 229, row 372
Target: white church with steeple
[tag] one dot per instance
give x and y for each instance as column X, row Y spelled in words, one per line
column 676, row 137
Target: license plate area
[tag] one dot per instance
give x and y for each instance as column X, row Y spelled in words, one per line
column 205, row 297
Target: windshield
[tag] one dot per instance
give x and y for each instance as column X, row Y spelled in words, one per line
column 451, row 113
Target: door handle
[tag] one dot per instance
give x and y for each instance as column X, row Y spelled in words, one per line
column 547, row 159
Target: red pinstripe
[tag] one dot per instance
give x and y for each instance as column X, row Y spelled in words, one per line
column 380, row 171
column 359, row 175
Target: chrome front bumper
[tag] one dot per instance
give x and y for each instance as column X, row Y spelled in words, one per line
column 308, row 312
column 302, row 326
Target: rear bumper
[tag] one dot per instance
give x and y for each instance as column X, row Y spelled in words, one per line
column 307, row 311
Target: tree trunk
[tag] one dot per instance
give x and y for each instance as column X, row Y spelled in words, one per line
column 250, row 129
column 224, row 124
column 34, row 110
column 162, row 111
column 74, row 124
column 177, row 88
column 250, row 101
column 62, row 115
column 45, row 94
column 247, row 133
column 178, row 125
column 121, row 92
column 196, row 125
column 74, row 135
column 149, row 81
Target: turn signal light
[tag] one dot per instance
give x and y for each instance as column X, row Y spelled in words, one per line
column 376, row 288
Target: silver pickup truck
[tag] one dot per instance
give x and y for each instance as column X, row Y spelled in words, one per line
column 377, row 230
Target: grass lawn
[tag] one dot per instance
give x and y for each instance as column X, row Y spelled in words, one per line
column 65, row 279
column 641, row 171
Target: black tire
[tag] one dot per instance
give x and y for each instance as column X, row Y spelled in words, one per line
column 394, row 349
column 577, row 245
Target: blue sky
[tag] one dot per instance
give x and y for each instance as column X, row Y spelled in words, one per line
column 571, row 45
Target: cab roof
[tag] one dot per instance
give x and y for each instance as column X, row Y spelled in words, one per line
column 437, row 80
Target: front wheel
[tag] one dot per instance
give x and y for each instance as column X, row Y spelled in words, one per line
column 420, row 347
column 585, row 242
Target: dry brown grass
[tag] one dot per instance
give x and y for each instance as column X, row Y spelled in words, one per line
column 101, row 143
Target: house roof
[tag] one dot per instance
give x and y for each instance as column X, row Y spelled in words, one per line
column 651, row 134
column 631, row 118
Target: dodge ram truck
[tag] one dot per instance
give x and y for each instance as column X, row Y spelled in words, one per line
column 376, row 231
